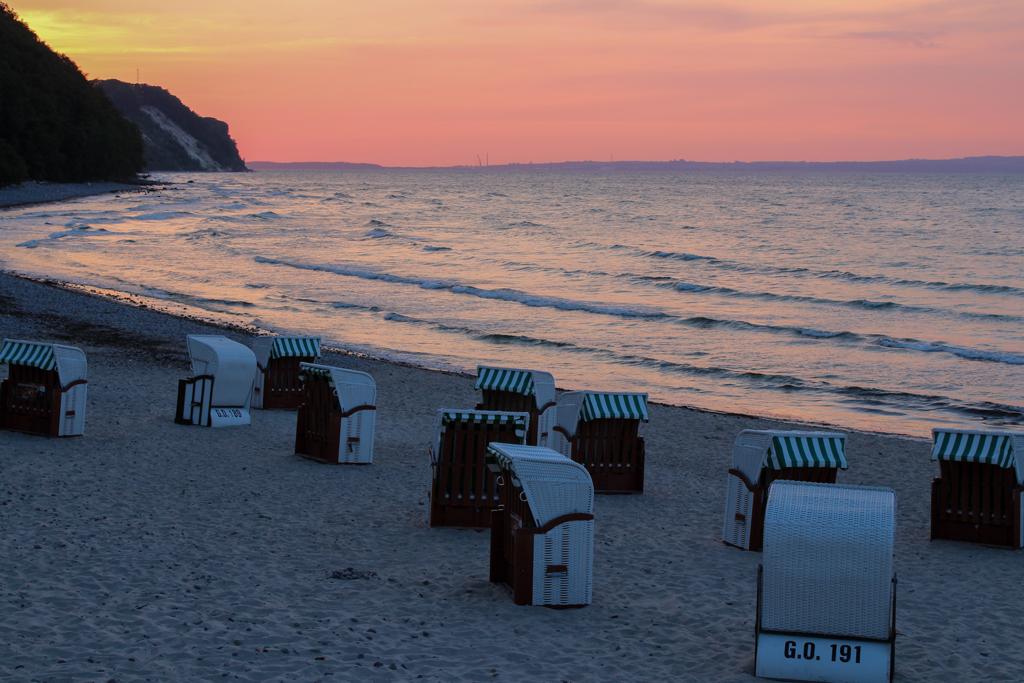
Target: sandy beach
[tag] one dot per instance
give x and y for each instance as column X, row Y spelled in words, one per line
column 41, row 193
column 149, row 550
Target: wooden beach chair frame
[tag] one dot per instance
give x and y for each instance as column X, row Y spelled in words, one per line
column 278, row 361
column 603, row 438
column 977, row 496
column 842, row 607
column 520, row 391
column 761, row 457
column 549, row 563
column 46, row 389
column 337, row 416
column 462, row 490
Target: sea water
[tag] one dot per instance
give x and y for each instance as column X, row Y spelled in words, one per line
column 886, row 302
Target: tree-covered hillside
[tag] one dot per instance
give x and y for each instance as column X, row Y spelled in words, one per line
column 54, row 125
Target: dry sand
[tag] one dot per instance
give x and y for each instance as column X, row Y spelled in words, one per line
column 148, row 550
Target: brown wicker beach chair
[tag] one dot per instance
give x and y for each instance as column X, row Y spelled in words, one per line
column 463, row 492
column 601, row 431
column 520, row 391
column 46, row 389
column 278, row 385
column 977, row 495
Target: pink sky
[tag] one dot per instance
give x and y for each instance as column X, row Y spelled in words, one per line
column 436, row 82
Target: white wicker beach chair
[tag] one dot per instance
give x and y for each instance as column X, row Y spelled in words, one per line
column 542, row 536
column 278, row 385
column 826, row 605
column 462, row 490
column 760, row 457
column 219, row 393
column 337, row 416
column 46, row 388
column 978, row 494
column 518, row 390
column 601, row 431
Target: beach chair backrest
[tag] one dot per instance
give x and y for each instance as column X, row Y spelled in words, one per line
column 764, row 455
column 67, row 361
column 998, row 449
column 519, row 390
column 552, row 484
column 232, row 365
column 353, row 389
column 828, row 560
column 461, row 474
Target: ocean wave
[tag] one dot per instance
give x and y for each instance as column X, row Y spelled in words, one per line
column 79, row 231
column 630, row 312
column 800, row 271
column 377, row 223
column 378, row 233
column 511, row 295
column 870, row 397
column 161, row 215
column 961, row 351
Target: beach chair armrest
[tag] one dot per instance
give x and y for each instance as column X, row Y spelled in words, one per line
column 563, row 431
column 571, row 517
column 73, row 384
column 742, row 477
column 349, row 413
column 549, row 404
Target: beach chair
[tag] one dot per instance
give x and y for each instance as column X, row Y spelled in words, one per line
column 278, row 385
column 826, row 588
column 45, row 391
column 977, row 496
column 600, row 430
column 219, row 393
column 520, row 391
column 337, row 415
column 542, row 534
column 760, row 457
column 462, row 491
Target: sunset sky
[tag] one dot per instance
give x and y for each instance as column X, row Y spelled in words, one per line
column 436, row 82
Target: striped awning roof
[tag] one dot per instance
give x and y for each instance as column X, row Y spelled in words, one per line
column 291, row 347
column 450, row 416
column 33, row 354
column 598, row 406
column 505, row 379
column 958, row 446
column 307, row 370
column 807, row 451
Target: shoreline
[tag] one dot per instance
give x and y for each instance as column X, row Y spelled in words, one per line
column 146, row 549
column 211, row 319
column 33, row 193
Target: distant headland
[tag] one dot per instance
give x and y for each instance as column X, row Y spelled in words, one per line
column 978, row 164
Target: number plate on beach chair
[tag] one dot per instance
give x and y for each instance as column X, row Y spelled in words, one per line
column 229, row 417
column 810, row 658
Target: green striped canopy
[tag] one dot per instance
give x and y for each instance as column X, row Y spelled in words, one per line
column 307, row 370
column 292, row 347
column 807, row 451
column 505, row 379
column 33, row 354
column 990, row 449
column 598, row 406
column 470, row 416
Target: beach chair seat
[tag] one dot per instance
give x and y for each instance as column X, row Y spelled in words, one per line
column 337, row 415
column 462, row 490
column 601, row 431
column 520, row 391
column 542, row 533
column 219, row 392
column 977, row 496
column 46, row 388
column 278, row 359
column 826, row 587
column 761, row 457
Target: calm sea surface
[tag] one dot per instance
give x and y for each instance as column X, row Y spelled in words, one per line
column 882, row 302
